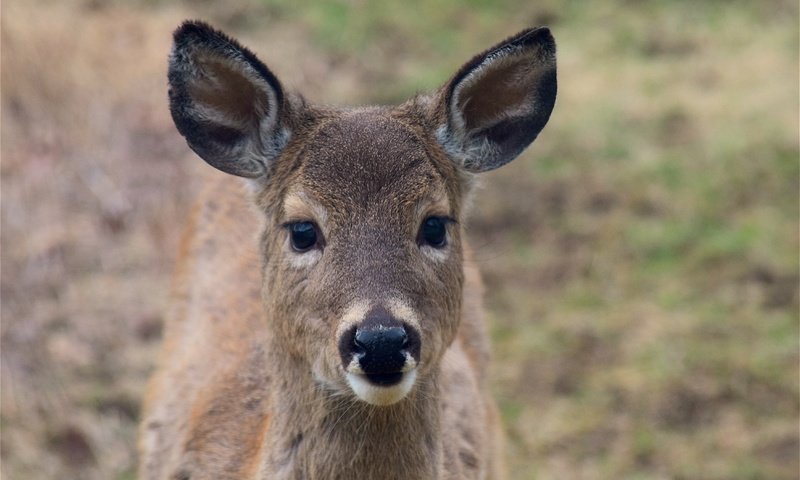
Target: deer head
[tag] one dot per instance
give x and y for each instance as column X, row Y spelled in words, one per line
column 362, row 240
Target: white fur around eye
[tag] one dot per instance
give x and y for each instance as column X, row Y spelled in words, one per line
column 301, row 259
column 436, row 254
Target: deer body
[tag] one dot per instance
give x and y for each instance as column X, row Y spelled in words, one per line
column 326, row 321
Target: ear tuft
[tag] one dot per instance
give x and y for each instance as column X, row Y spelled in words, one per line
column 498, row 102
column 227, row 104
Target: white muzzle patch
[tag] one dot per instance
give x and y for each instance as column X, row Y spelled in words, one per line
column 381, row 395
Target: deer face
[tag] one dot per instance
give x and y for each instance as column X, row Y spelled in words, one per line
column 362, row 252
column 365, row 254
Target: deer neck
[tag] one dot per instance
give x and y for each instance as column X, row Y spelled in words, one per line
column 317, row 433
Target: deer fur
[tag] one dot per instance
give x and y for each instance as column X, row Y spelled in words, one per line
column 254, row 381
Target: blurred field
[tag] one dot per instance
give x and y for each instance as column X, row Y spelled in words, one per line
column 641, row 260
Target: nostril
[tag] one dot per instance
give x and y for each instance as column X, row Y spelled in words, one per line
column 399, row 338
column 348, row 347
column 359, row 349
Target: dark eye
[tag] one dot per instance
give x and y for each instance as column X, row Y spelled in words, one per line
column 433, row 232
column 303, row 235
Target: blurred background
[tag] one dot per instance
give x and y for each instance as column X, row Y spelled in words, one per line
column 641, row 259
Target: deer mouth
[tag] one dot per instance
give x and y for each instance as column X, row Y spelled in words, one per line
column 385, row 379
column 381, row 389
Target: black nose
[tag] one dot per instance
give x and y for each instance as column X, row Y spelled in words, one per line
column 380, row 349
column 381, row 344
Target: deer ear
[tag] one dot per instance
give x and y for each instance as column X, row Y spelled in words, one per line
column 497, row 104
column 226, row 103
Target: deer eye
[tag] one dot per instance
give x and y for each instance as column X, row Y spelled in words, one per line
column 433, row 232
column 303, row 235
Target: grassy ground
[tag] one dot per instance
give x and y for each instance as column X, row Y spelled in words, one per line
column 641, row 259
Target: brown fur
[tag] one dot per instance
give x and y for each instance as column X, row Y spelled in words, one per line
column 250, row 383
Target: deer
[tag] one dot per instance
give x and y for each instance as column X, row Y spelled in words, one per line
column 325, row 319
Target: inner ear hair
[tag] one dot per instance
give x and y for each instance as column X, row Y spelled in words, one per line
column 225, row 102
column 502, row 91
column 227, row 95
column 498, row 102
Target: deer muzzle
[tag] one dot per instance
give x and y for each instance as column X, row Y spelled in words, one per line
column 379, row 356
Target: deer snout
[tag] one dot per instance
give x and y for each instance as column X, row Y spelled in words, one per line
column 381, row 353
column 380, row 356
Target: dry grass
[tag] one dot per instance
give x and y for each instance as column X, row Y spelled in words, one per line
column 641, row 258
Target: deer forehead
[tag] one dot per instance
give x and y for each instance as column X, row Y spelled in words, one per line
column 368, row 165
